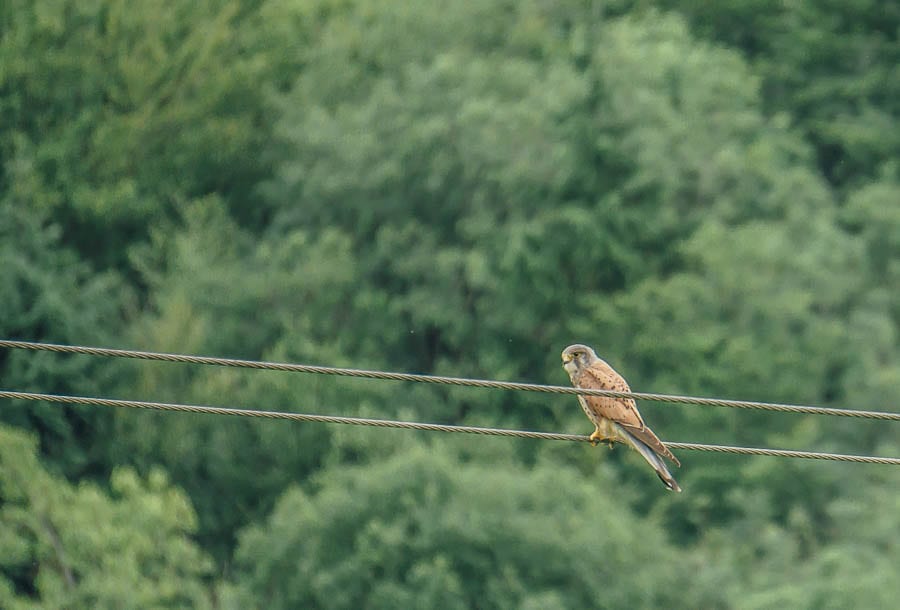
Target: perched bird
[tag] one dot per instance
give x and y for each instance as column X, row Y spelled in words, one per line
column 615, row 419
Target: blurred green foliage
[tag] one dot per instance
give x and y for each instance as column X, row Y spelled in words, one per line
column 707, row 193
column 125, row 544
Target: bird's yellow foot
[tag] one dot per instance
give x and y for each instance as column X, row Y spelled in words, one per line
column 610, row 442
column 596, row 437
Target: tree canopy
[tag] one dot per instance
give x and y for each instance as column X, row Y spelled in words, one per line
column 708, row 194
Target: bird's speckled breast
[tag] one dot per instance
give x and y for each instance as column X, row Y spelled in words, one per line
column 596, row 419
column 607, row 428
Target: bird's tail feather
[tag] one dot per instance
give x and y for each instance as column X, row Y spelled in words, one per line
column 652, row 458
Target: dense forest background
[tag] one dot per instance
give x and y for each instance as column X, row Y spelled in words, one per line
column 706, row 192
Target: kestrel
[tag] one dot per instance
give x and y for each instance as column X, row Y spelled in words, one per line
column 615, row 419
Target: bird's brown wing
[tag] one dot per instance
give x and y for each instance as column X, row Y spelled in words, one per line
column 623, row 411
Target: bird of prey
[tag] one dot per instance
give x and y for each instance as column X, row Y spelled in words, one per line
column 615, row 419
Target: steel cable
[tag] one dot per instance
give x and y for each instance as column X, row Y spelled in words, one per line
column 438, row 379
column 386, row 423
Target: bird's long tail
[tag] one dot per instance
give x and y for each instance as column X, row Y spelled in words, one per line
column 652, row 458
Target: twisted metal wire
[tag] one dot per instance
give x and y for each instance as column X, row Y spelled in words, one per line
column 387, row 423
column 788, row 453
column 438, row 379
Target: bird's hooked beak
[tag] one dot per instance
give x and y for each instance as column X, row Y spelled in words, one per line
column 567, row 358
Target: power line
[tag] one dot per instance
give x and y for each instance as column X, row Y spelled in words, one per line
column 438, row 379
column 387, row 423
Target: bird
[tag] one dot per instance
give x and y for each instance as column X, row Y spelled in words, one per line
column 615, row 419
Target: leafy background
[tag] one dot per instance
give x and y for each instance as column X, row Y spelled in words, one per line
column 708, row 193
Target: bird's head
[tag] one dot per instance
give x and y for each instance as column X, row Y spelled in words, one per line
column 577, row 357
